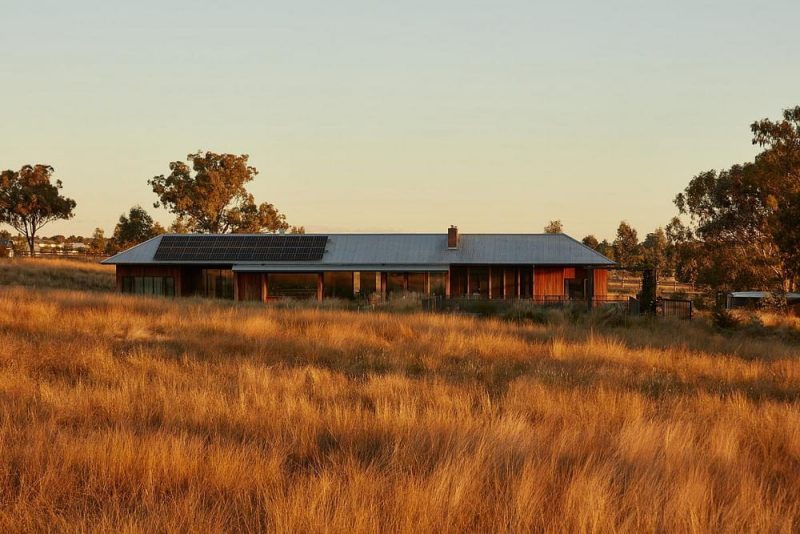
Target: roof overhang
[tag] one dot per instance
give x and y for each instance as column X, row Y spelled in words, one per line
column 318, row 268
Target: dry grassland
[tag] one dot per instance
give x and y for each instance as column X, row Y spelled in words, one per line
column 137, row 414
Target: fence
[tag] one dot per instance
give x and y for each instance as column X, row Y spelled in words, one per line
column 682, row 309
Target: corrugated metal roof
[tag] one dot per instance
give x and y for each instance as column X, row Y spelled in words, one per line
column 300, row 268
column 418, row 249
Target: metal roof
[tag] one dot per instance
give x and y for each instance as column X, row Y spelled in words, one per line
column 759, row 295
column 382, row 251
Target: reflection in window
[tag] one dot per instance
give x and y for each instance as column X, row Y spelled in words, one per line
column 416, row 283
column 161, row 286
column 338, row 285
column 437, row 282
column 395, row 283
column 298, row 285
column 479, row 282
column 218, row 283
column 369, row 283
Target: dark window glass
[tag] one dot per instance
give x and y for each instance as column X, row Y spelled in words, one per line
column 576, row 289
column 395, row 282
column 416, row 283
column 497, row 282
column 510, row 275
column 338, row 285
column 302, row 285
column 479, row 282
column 138, row 285
column 127, row 284
column 526, row 282
column 169, row 287
column 218, row 283
column 370, row 283
column 458, row 281
column 437, row 284
column 158, row 286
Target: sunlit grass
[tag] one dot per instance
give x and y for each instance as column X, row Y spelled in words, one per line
column 143, row 414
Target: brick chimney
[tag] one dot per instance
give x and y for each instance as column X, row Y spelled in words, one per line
column 452, row 237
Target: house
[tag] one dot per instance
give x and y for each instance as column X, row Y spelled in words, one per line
column 259, row 267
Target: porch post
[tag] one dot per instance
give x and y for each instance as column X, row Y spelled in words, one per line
column 235, row 285
column 589, row 287
column 320, row 286
column 447, row 283
column 264, row 288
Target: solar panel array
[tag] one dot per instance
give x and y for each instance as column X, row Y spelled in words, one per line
column 233, row 248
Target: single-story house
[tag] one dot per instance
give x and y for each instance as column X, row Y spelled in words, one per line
column 260, row 267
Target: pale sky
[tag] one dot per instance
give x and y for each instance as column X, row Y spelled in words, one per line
column 397, row 116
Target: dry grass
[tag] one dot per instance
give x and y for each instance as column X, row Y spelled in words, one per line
column 58, row 273
column 136, row 414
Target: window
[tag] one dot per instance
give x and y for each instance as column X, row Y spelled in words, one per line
column 479, row 282
column 218, row 283
column 395, row 282
column 300, row 285
column 338, row 285
column 437, row 282
column 497, row 282
column 416, row 283
column 161, row 286
column 370, row 283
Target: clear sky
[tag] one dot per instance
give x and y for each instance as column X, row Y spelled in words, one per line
column 397, row 116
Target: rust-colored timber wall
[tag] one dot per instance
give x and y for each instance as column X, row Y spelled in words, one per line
column 601, row 283
column 249, row 286
column 149, row 270
column 548, row 281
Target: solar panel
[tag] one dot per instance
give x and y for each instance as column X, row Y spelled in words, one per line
column 231, row 247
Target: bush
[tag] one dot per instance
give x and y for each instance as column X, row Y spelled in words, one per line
column 724, row 319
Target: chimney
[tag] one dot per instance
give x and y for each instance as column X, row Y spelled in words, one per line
column 452, row 237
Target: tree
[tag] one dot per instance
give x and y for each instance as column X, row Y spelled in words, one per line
column 208, row 195
column 29, row 200
column 626, row 246
column 554, row 227
column 655, row 251
column 135, row 228
column 97, row 245
column 591, row 242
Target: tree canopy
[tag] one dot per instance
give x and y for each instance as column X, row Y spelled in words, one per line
column 135, row 228
column 626, row 246
column 208, row 195
column 554, row 227
column 743, row 220
column 29, row 200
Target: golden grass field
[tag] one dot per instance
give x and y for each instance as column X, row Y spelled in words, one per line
column 122, row 413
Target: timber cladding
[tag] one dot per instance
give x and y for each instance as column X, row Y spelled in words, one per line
column 549, row 281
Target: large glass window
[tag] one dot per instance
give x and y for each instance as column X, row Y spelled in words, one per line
column 416, row 283
column 162, row 286
column 295, row 285
column 497, row 282
column 510, row 282
column 370, row 283
column 438, row 284
column 338, row 285
column 218, row 283
column 479, row 282
column 395, row 283
column 458, row 281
